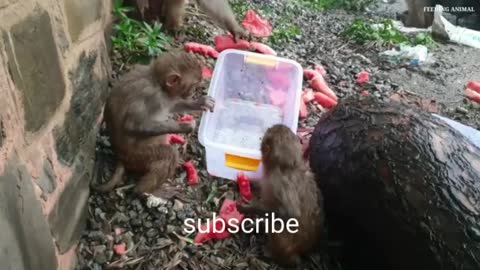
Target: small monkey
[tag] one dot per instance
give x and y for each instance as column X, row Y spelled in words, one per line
column 139, row 116
column 171, row 14
column 287, row 189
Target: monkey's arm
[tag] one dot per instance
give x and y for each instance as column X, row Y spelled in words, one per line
column 139, row 122
column 254, row 207
column 185, row 105
column 221, row 12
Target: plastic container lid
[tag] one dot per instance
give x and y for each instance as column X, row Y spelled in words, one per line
column 252, row 92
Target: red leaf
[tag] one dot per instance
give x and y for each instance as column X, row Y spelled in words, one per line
column 319, row 84
column 257, row 26
column 244, row 186
column 175, row 139
column 320, row 69
column 186, row 119
column 262, row 48
column 191, row 172
column 363, row 77
column 229, row 211
column 227, row 42
column 120, row 249
column 310, row 73
column 307, row 95
column 207, row 233
column 472, row 95
column 207, row 73
column 202, row 237
column 474, row 85
column 201, row 49
column 303, row 110
column 325, row 101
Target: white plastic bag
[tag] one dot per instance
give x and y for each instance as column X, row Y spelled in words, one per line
column 417, row 55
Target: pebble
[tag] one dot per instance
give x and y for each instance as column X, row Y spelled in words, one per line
column 178, row 205
column 120, row 217
column 99, row 213
column 163, row 209
column 109, row 254
column 100, row 256
column 97, row 236
column 136, row 222
column 172, row 216
column 132, row 214
column 170, row 228
column 151, row 233
column 181, row 215
column 461, row 110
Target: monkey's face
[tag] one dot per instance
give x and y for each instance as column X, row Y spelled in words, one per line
column 281, row 147
column 189, row 86
column 178, row 73
column 182, row 86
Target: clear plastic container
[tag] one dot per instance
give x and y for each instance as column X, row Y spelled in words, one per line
column 252, row 92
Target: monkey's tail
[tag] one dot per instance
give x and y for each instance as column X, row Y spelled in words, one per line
column 117, row 178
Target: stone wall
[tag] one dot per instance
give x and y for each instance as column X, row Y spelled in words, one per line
column 54, row 70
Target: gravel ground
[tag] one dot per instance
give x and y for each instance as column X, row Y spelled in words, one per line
column 154, row 236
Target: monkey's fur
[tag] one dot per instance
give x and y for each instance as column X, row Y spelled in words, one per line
column 287, row 189
column 139, row 116
column 171, row 13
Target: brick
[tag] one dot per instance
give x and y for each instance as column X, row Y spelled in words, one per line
column 5, row 3
column 34, row 65
column 47, row 182
column 68, row 217
column 89, row 94
column 25, row 239
column 80, row 14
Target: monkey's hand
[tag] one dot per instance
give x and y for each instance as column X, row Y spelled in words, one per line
column 206, row 103
column 187, row 127
column 244, row 207
column 251, row 208
column 239, row 32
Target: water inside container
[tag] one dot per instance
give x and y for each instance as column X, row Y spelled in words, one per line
column 243, row 124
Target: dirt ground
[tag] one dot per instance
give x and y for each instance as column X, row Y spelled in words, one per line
column 154, row 236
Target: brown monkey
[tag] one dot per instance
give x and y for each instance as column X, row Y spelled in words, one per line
column 287, row 189
column 139, row 116
column 171, row 13
column 416, row 15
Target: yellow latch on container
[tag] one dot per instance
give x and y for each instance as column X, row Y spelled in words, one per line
column 242, row 163
column 261, row 61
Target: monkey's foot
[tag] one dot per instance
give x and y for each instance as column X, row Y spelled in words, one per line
column 153, row 201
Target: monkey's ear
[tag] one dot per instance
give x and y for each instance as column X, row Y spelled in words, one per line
column 173, row 79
